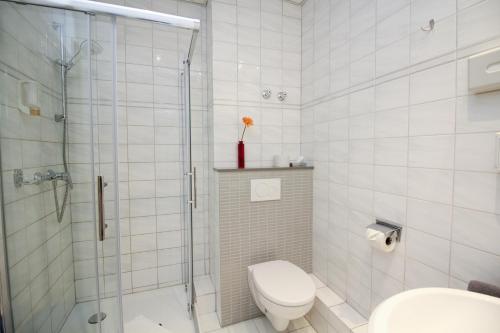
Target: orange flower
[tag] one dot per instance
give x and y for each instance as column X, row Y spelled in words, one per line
column 248, row 121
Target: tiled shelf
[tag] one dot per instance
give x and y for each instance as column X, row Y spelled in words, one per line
column 263, row 169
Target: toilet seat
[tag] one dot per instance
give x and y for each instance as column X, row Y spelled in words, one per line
column 283, row 283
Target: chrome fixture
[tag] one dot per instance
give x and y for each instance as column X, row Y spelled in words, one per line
column 38, row 177
column 388, row 228
column 266, row 93
column 65, row 66
column 430, row 26
column 59, row 117
column 100, row 205
column 95, row 48
column 282, row 95
column 97, row 317
column 194, row 196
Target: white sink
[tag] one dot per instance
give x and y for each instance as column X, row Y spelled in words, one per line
column 436, row 310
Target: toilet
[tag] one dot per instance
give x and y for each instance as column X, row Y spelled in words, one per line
column 281, row 290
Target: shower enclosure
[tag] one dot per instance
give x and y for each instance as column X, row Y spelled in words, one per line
column 76, row 163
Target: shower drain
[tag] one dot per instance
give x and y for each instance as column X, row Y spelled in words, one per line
column 97, row 317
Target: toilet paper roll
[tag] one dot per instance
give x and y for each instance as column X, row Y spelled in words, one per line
column 378, row 240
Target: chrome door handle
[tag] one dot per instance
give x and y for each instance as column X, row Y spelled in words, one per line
column 100, row 207
column 193, row 200
column 195, row 194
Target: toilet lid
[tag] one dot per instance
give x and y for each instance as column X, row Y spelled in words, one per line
column 283, row 283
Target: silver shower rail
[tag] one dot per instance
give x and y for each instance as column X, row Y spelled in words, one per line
column 94, row 7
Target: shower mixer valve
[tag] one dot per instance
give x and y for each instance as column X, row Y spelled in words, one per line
column 39, row 178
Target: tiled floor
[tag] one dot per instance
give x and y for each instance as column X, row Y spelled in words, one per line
column 166, row 306
column 258, row 325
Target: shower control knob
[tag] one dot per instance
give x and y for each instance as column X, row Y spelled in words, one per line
column 282, row 95
column 266, row 93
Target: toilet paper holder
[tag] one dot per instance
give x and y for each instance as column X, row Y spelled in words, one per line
column 388, row 228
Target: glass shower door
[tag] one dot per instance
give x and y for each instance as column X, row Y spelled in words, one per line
column 107, row 107
column 58, row 167
column 103, row 161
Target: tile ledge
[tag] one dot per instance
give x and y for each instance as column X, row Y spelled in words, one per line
column 339, row 314
column 263, row 169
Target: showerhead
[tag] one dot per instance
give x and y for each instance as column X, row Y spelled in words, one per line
column 95, row 48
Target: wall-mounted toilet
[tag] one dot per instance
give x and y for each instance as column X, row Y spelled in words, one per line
column 281, row 290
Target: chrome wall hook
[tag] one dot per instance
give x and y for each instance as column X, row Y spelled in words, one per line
column 430, row 26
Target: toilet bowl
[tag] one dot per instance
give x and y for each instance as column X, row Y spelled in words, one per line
column 281, row 290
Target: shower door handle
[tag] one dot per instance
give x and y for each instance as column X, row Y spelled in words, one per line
column 193, row 200
column 100, row 208
column 195, row 194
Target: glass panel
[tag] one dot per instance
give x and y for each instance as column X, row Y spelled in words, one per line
column 153, row 157
column 46, row 178
column 199, row 157
column 106, row 167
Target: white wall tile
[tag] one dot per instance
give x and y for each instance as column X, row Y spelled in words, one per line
column 475, row 152
column 477, row 191
column 394, row 27
column 431, row 151
column 433, row 84
column 478, row 23
column 470, row 264
column 419, row 148
column 418, row 275
column 432, row 118
column 390, row 179
column 430, row 184
column 391, row 123
column 476, row 229
column 392, row 94
column 430, row 250
column 430, row 217
column 391, row 151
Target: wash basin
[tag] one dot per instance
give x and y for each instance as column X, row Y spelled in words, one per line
column 436, row 310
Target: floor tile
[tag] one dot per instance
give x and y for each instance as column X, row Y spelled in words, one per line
column 243, row 327
column 208, row 322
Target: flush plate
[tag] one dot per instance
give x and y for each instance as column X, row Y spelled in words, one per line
column 265, row 189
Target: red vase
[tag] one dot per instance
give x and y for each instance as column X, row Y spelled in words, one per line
column 241, row 155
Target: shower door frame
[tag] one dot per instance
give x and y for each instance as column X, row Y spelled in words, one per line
column 5, row 303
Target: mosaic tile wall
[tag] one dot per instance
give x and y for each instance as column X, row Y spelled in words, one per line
column 254, row 232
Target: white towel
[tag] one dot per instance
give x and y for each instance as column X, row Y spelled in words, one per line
column 141, row 324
